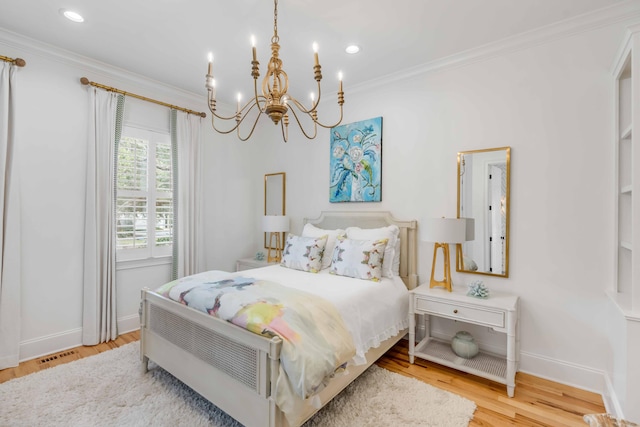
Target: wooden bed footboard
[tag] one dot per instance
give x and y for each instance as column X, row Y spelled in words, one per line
column 234, row 369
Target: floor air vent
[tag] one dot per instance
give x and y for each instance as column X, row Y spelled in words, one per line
column 55, row 357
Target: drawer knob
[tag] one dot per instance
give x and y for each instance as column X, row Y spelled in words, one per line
column 455, row 311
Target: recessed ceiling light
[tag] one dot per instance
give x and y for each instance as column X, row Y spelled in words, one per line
column 353, row 48
column 71, row 15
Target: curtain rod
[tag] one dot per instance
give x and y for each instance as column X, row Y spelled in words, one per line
column 18, row 61
column 86, row 81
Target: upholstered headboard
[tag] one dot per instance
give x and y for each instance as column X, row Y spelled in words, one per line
column 370, row 219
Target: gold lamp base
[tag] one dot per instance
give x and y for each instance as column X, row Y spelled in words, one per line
column 446, row 281
column 277, row 249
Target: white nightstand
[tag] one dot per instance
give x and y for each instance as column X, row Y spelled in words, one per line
column 247, row 263
column 498, row 312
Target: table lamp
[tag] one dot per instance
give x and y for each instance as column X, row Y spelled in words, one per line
column 443, row 232
column 275, row 225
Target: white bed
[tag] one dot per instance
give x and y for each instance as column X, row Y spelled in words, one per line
column 238, row 370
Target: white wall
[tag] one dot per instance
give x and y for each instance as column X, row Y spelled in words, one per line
column 551, row 103
column 51, row 133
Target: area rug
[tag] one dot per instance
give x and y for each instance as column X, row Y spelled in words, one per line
column 109, row 389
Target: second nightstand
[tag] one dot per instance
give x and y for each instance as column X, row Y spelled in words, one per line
column 247, row 263
column 499, row 312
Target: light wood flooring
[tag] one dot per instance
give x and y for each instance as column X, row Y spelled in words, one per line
column 537, row 402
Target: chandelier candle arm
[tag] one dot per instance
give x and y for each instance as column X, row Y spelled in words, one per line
column 304, row 132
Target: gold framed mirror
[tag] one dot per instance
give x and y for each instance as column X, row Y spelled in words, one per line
column 275, row 192
column 484, row 179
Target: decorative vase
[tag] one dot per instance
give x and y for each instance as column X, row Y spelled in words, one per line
column 463, row 345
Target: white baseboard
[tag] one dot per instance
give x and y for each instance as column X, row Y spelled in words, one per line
column 611, row 402
column 563, row 372
column 54, row 343
column 48, row 344
column 128, row 324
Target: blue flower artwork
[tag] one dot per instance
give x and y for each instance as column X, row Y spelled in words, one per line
column 356, row 162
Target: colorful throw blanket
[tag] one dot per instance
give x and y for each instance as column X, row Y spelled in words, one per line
column 315, row 339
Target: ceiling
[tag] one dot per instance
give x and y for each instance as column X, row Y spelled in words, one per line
column 168, row 40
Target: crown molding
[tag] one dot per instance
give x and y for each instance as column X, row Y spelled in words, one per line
column 627, row 11
column 95, row 68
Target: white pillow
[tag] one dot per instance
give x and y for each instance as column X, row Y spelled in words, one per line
column 303, row 253
column 389, row 232
column 395, row 267
column 311, row 230
column 361, row 259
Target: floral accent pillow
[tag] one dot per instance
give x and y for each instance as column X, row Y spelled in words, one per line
column 361, row 259
column 311, row 230
column 391, row 255
column 303, row 253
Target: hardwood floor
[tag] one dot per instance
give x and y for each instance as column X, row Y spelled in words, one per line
column 66, row 356
column 537, row 402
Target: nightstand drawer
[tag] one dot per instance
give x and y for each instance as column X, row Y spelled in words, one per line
column 462, row 312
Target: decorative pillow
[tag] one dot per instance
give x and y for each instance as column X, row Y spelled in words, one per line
column 311, row 230
column 391, row 233
column 361, row 259
column 303, row 253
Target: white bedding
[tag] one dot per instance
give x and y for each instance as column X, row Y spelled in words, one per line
column 372, row 311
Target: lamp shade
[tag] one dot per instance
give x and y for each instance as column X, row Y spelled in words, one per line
column 443, row 230
column 275, row 223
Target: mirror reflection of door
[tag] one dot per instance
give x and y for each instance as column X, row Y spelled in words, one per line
column 497, row 195
column 483, row 194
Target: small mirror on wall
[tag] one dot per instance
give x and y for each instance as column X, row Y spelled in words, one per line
column 483, row 195
column 275, row 191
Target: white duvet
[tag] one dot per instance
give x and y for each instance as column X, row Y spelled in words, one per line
column 372, row 311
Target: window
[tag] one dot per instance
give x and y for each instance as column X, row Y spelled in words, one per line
column 144, row 206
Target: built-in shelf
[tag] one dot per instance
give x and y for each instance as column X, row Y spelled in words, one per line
column 624, row 305
column 627, row 189
column 625, row 290
column 626, row 245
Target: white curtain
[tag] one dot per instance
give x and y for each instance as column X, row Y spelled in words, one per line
column 188, row 256
column 10, row 259
column 99, row 319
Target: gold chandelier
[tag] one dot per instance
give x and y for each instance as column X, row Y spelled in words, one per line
column 273, row 100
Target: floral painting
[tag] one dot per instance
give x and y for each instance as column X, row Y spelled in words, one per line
column 356, row 162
